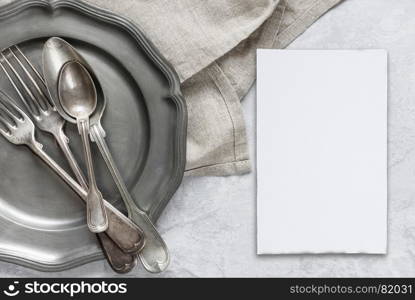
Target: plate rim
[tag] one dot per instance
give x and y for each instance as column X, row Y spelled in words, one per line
column 175, row 95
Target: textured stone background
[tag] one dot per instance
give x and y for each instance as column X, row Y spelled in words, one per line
column 210, row 223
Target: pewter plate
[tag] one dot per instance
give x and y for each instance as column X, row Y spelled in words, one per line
column 42, row 221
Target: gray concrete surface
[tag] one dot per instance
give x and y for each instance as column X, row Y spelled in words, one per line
column 209, row 225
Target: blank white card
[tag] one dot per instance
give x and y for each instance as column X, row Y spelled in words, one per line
column 322, row 151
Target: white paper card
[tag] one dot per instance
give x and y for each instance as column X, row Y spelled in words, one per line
column 322, row 151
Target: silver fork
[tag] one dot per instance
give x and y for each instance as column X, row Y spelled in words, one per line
column 37, row 101
column 18, row 129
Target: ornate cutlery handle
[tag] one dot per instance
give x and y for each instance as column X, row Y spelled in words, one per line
column 96, row 216
column 155, row 255
column 63, row 141
column 125, row 234
column 119, row 261
column 120, row 229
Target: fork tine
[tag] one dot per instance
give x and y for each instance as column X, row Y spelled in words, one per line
column 5, row 128
column 8, row 75
column 23, row 130
column 6, row 120
column 30, row 65
column 6, row 123
column 7, row 106
column 24, row 85
column 4, row 133
column 30, row 76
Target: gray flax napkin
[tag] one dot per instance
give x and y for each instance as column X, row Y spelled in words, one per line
column 212, row 45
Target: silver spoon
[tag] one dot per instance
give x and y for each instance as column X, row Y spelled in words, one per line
column 56, row 53
column 78, row 97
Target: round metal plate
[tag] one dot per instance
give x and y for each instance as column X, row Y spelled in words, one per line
column 42, row 220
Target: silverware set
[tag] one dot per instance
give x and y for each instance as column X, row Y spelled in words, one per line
column 69, row 91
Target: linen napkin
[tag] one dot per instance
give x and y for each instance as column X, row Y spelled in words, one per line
column 322, row 151
column 212, row 44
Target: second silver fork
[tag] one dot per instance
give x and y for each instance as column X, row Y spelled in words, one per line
column 44, row 114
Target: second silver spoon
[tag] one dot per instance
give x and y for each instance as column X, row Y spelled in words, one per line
column 78, row 98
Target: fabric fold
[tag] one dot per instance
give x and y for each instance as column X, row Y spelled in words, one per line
column 212, row 45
